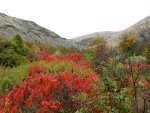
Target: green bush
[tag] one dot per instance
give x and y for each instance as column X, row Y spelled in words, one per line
column 18, row 44
column 12, row 52
column 137, row 59
column 6, row 83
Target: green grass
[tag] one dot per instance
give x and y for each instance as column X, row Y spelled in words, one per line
column 12, row 76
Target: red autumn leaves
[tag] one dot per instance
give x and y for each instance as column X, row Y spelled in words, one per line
column 42, row 91
column 46, row 56
column 36, row 69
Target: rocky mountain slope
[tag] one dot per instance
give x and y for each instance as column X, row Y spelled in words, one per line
column 29, row 31
column 83, row 40
column 141, row 28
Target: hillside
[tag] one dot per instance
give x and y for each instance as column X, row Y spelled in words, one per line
column 83, row 40
column 29, row 31
column 141, row 28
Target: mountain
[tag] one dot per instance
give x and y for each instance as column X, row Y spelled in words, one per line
column 29, row 31
column 83, row 40
column 141, row 28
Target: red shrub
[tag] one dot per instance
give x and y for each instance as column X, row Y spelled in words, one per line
column 36, row 69
column 47, row 92
column 29, row 59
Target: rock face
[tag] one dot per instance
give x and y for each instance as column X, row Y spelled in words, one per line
column 83, row 40
column 29, row 31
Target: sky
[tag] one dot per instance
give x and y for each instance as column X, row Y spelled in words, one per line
column 73, row 18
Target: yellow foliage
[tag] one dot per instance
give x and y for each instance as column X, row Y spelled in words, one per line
column 128, row 42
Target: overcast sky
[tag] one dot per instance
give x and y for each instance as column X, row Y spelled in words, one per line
column 72, row 18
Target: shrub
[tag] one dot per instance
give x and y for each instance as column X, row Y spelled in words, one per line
column 6, row 84
column 36, row 69
column 11, row 52
column 137, row 59
column 47, row 92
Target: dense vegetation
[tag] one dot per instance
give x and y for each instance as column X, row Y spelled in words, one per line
column 38, row 78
